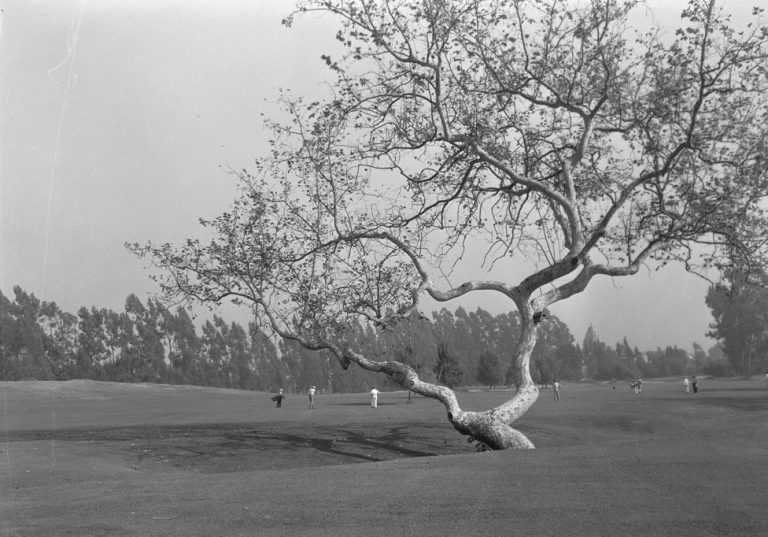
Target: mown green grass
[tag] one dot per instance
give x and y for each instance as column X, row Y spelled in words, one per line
column 82, row 458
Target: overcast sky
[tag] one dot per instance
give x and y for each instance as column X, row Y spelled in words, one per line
column 119, row 119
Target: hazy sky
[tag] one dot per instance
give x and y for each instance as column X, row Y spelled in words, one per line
column 120, row 118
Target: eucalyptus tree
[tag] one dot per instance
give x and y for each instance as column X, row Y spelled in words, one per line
column 552, row 131
column 739, row 306
column 447, row 369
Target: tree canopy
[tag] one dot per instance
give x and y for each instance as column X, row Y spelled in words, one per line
column 739, row 306
column 551, row 131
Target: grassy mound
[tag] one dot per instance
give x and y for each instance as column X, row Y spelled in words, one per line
column 87, row 458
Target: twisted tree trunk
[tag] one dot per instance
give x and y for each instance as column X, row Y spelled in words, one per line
column 491, row 428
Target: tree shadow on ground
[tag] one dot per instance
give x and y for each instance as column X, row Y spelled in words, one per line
column 367, row 403
column 291, row 447
column 754, row 404
column 217, row 448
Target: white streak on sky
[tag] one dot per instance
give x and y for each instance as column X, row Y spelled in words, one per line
column 72, row 39
column 2, row 132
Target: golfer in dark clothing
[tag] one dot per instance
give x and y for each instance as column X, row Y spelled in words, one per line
column 695, row 384
column 278, row 399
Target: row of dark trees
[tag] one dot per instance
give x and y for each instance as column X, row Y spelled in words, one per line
column 143, row 343
column 603, row 362
column 454, row 349
column 739, row 305
column 150, row 343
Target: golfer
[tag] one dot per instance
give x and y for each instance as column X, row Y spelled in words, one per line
column 556, row 388
column 278, row 399
column 686, row 384
column 374, row 398
column 311, row 394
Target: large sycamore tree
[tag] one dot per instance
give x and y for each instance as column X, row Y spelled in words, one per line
column 557, row 134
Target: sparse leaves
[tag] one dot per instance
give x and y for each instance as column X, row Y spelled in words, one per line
column 549, row 130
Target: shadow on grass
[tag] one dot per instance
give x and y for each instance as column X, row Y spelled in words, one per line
column 217, row 448
column 367, row 403
column 711, row 397
column 274, row 448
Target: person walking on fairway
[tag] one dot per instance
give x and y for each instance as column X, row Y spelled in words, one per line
column 311, row 394
column 686, row 384
column 556, row 388
column 278, row 399
column 374, row 398
column 695, row 384
column 637, row 386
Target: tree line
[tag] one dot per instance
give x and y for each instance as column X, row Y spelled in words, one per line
column 143, row 343
column 147, row 342
column 739, row 305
